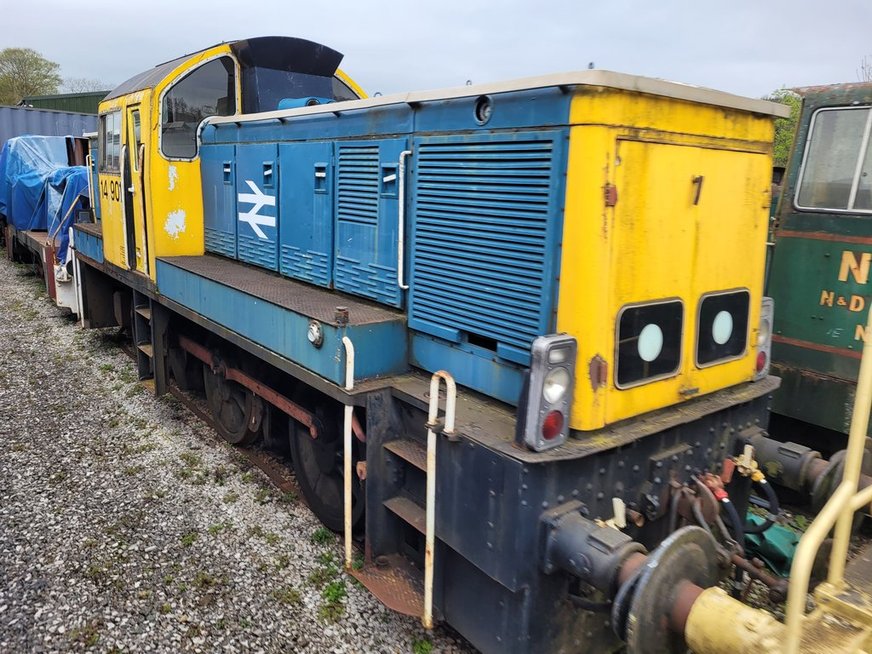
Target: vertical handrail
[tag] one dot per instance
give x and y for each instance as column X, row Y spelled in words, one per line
column 430, row 529
column 89, row 161
column 346, row 452
column 401, row 226
column 839, row 510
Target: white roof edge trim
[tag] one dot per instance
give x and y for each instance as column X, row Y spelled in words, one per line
column 605, row 78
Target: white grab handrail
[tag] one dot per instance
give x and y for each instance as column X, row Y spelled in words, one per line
column 346, row 453
column 401, row 226
column 430, row 529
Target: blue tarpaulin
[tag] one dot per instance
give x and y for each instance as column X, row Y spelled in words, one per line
column 38, row 191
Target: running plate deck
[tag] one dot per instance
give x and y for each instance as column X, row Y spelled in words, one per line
column 277, row 314
column 310, row 301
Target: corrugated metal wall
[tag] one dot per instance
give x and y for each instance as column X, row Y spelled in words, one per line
column 18, row 121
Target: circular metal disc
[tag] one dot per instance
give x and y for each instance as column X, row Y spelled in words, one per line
column 689, row 554
column 232, row 406
column 621, row 604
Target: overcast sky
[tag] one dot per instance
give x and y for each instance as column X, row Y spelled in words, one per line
column 742, row 46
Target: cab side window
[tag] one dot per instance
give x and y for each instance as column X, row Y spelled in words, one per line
column 109, row 142
column 209, row 90
column 837, row 162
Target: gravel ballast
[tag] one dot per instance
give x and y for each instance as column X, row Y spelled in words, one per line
column 126, row 525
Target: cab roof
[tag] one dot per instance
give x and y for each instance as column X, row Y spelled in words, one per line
column 282, row 52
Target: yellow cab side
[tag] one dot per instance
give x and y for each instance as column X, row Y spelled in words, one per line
column 162, row 193
column 175, row 187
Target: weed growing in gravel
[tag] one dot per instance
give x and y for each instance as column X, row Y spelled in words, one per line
column 230, row 497
column 220, row 475
column 132, row 471
column 95, row 573
column 188, row 539
column 283, row 561
column 165, row 608
column 323, row 575
column 322, row 535
column 248, row 477
column 106, row 367
column 332, row 606
column 263, row 496
column 220, row 527
column 191, row 460
column 287, row 595
column 289, row 497
column 326, row 558
column 205, row 580
column 130, row 449
column 134, row 390
column 184, row 473
column 87, row 635
column 422, row 646
column 127, row 375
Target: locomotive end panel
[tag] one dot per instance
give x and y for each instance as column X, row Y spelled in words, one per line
column 663, row 249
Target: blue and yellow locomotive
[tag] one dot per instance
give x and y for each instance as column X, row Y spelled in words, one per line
column 579, row 257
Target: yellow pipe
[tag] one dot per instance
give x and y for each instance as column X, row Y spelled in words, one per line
column 839, row 510
column 803, row 560
column 853, row 459
column 719, row 624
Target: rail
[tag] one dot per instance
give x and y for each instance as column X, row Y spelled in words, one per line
column 430, row 519
column 838, row 511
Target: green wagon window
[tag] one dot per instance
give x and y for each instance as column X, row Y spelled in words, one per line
column 836, row 168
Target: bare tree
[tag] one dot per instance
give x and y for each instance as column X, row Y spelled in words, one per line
column 84, row 85
column 864, row 70
column 25, row 72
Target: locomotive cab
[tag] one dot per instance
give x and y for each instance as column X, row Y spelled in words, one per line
column 148, row 131
column 819, row 272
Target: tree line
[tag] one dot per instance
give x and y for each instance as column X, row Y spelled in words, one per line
column 25, row 72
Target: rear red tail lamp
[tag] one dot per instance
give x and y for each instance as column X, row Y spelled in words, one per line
column 552, row 425
column 761, row 361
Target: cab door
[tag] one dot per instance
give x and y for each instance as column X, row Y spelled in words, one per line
column 135, row 224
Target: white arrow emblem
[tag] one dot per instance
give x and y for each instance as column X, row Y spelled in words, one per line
column 259, row 199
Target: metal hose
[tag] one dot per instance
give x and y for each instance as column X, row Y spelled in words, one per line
column 774, row 509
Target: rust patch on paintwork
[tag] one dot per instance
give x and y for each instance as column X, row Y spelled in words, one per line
column 598, row 372
column 610, row 194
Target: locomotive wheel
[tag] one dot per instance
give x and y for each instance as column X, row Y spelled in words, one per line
column 318, row 468
column 237, row 412
column 689, row 554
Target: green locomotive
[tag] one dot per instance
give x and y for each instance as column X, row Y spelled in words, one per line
column 819, row 272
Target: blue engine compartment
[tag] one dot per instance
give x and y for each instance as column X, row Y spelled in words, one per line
column 314, row 195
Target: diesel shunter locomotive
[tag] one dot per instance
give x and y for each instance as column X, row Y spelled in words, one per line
column 513, row 335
